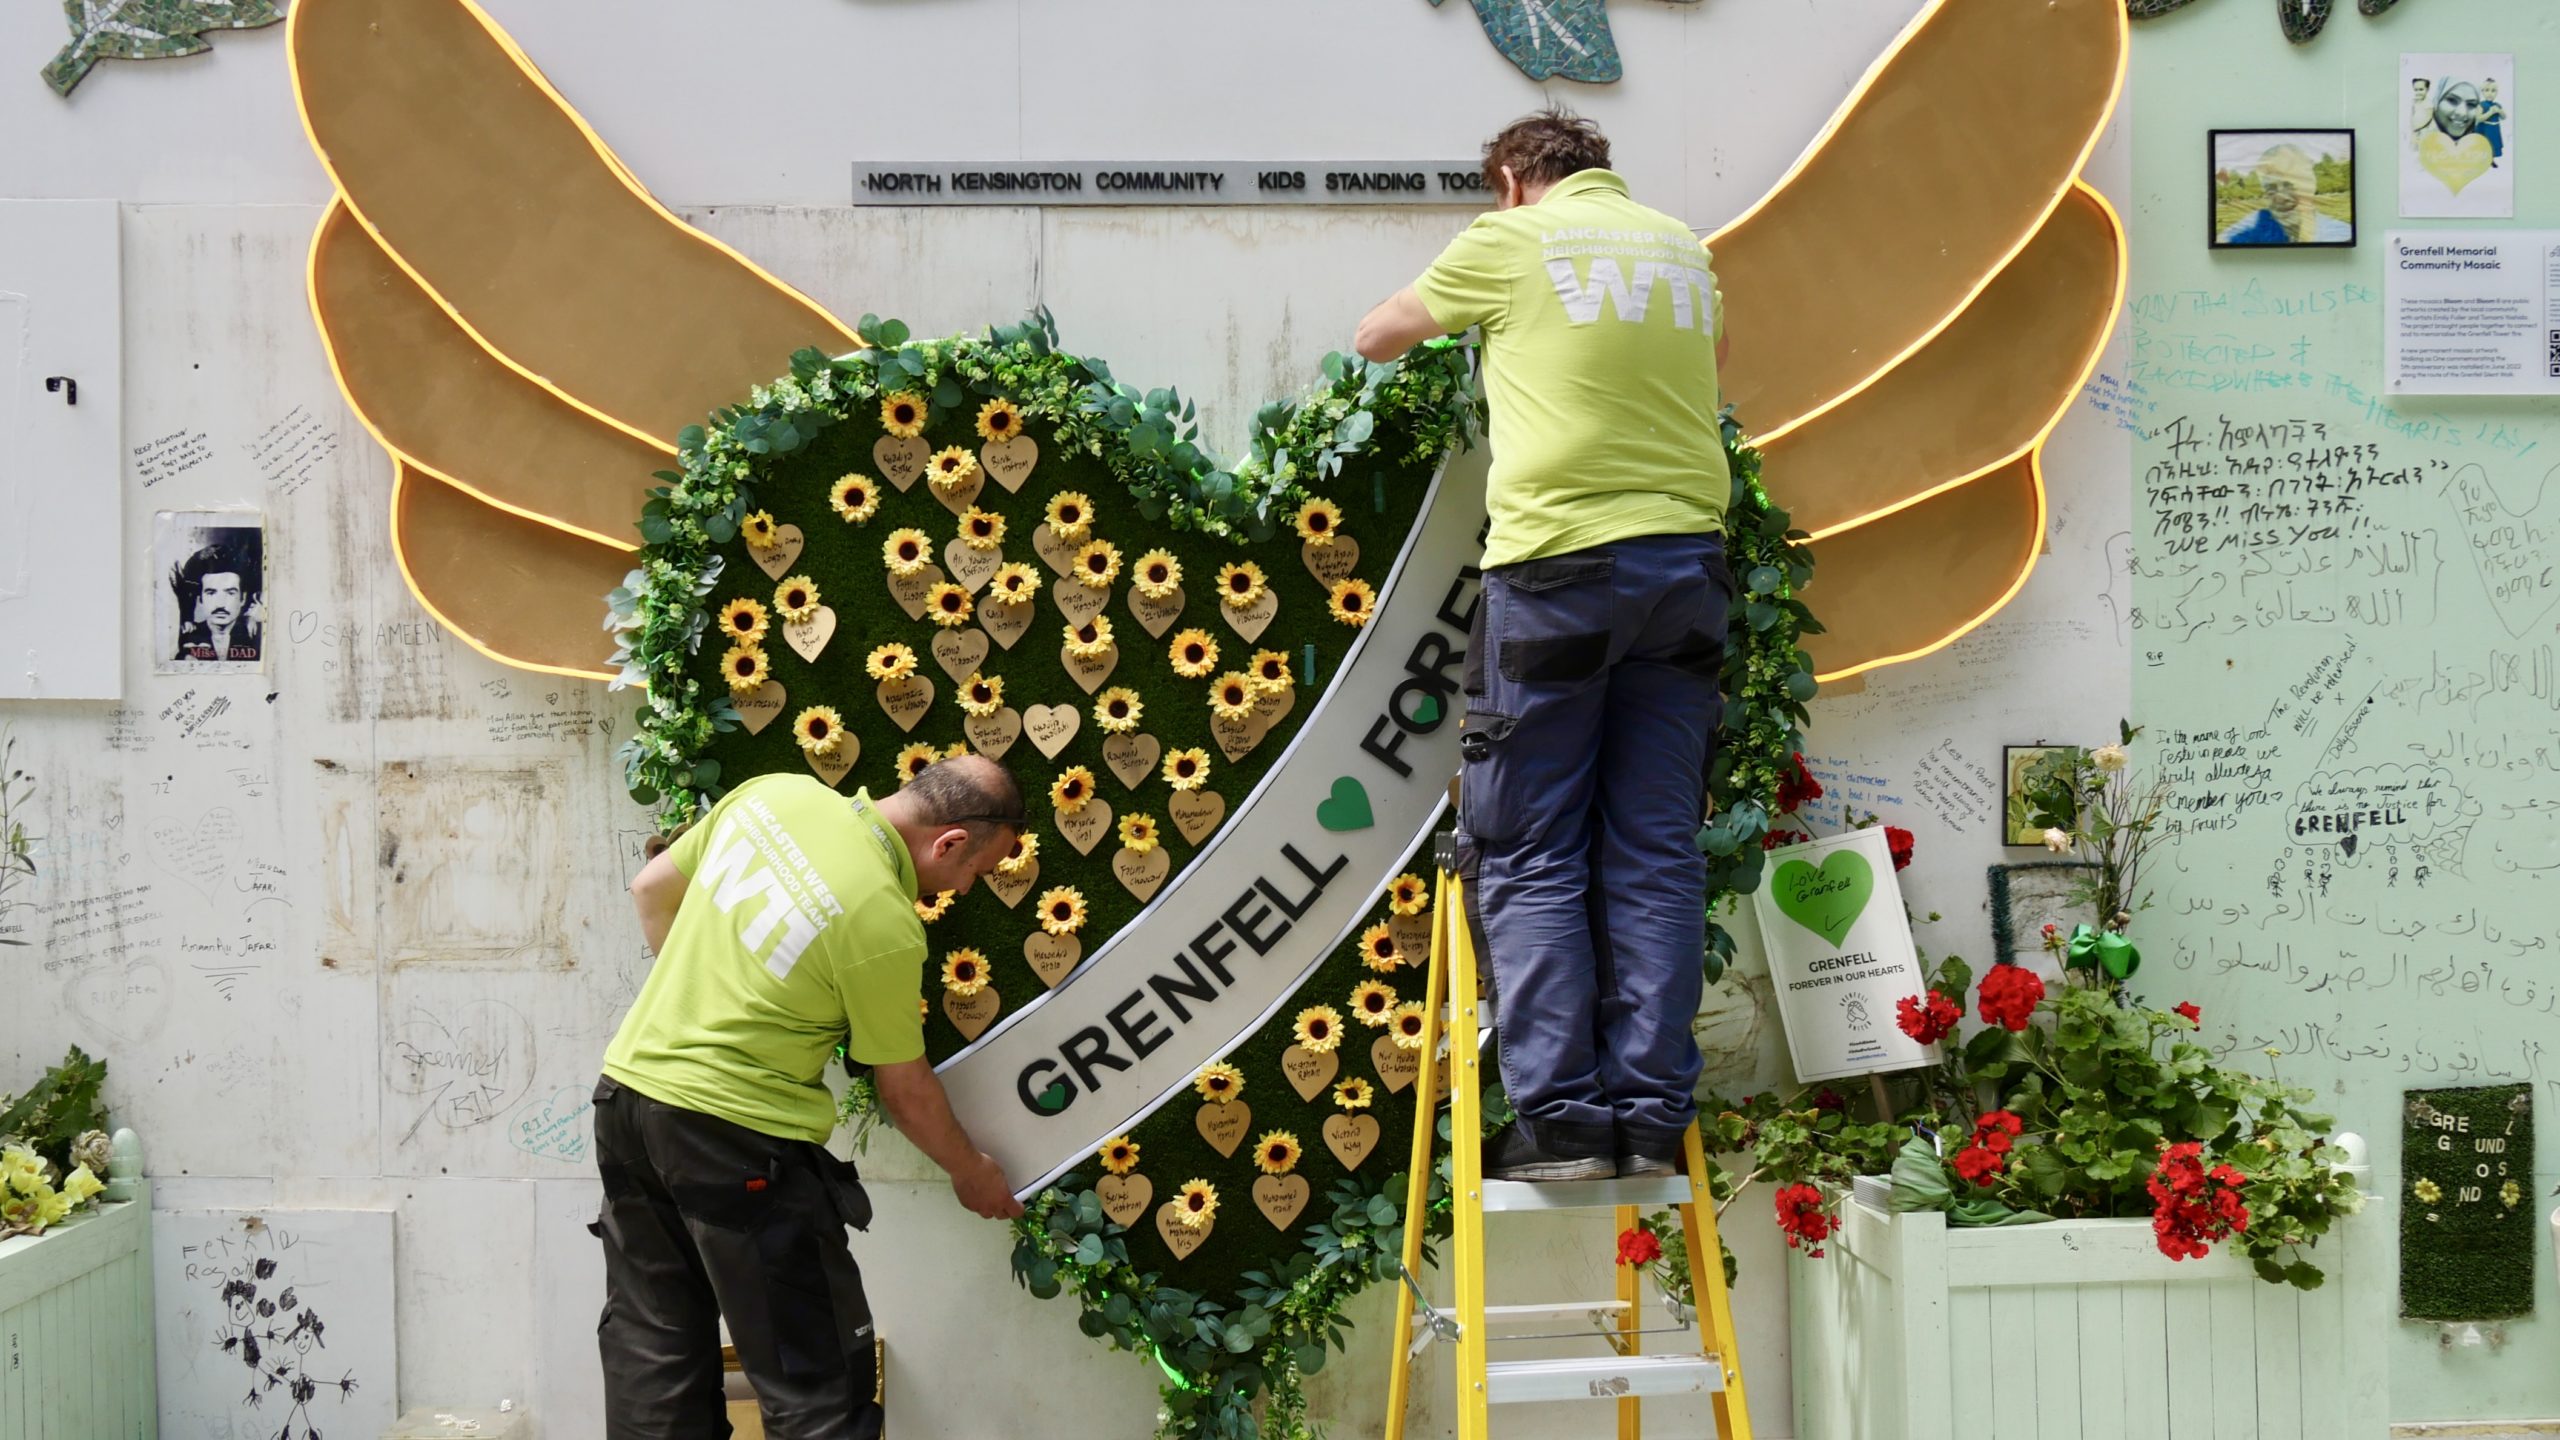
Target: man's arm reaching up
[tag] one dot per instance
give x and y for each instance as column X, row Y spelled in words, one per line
column 1399, row 323
column 913, row 1096
column 656, row 892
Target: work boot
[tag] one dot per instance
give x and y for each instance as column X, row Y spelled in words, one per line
column 1514, row 1154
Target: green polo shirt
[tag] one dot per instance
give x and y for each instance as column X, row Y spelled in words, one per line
column 797, row 933
column 1600, row 319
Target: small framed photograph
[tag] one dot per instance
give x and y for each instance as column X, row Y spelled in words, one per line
column 211, row 602
column 2292, row 188
column 2022, row 767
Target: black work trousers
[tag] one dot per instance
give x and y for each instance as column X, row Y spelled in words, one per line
column 704, row 1219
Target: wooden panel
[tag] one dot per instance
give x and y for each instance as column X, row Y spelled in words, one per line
column 2189, row 1321
column 2059, row 1360
column 2235, row 1359
column 2146, row 1370
column 1969, row 1333
column 2323, row 1327
column 2104, row 1359
column 2279, row 1351
column 2013, row 1395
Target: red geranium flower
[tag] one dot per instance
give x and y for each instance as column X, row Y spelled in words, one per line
column 1899, row 841
column 2194, row 1207
column 1797, row 788
column 1801, row 1218
column 1776, row 838
column 1997, row 1130
column 1927, row 1021
column 2009, row 995
column 1978, row 1165
column 1828, row 1099
column 2188, row 1008
column 1637, row 1246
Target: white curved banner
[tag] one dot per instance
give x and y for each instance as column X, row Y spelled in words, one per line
column 1291, row 874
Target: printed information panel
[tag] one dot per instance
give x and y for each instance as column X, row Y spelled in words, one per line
column 1171, row 182
column 1840, row 955
column 2472, row 312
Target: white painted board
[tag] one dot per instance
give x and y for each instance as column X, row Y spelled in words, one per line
column 274, row 1321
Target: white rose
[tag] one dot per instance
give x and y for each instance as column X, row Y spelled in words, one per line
column 2109, row 758
column 2058, row 841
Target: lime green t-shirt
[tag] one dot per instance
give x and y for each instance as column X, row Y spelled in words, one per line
column 798, row 932
column 1600, row 319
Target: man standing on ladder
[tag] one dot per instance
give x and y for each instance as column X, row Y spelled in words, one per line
column 1593, row 673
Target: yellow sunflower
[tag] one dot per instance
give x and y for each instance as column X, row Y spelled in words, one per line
column 1138, row 833
column 947, row 604
column 1090, row 640
column 1199, row 1204
column 1240, row 584
column 1025, row 851
column 1351, row 601
column 1159, row 574
column 1319, row 520
column 1271, row 671
column 1070, row 515
column 1407, row 895
column 906, row 552
column 1276, row 1152
column 1194, row 654
column 1117, row 709
column 796, row 598
column 855, row 497
column 951, row 467
column 1232, row 697
column 1119, row 1154
column 981, row 529
column 999, row 419
column 931, row 910
column 893, row 661
column 1378, row 948
column 819, row 729
column 1372, row 1001
column 743, row 620
column 1187, row 769
column 964, row 971
column 759, row 530
column 982, row 694
column 924, row 1008
column 746, row 668
column 1014, row 583
column 1406, row 1024
column 902, row 414
column 1062, row 910
column 1354, row 1093
column 1072, row 790
column 916, row 759
column 1219, row 1081
column 955, row 749
column 1096, row 565
column 1318, row 1028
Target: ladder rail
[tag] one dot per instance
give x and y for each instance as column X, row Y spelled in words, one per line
column 1466, row 1155
column 1417, row 1190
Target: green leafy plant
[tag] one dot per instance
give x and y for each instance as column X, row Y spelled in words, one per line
column 17, row 847
column 60, row 1108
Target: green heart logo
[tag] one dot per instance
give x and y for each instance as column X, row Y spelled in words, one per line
column 1829, row 900
column 1426, row 711
column 1347, row 808
column 1054, row 1099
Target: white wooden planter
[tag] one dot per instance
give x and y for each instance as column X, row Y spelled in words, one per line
column 75, row 1329
column 2075, row 1330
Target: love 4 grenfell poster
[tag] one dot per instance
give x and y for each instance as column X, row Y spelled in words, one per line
column 1840, row 955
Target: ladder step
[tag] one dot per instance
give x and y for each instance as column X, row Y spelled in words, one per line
column 1669, row 1190
column 1609, row 1377
column 1559, row 1310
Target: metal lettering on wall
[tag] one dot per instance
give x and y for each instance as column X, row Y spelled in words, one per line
column 1172, row 182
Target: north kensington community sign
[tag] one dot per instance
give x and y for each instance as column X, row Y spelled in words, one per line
column 1171, row 182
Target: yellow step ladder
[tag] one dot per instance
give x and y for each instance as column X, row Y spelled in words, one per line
column 1622, row 1372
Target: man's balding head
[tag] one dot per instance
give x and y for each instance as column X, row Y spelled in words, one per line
column 958, row 817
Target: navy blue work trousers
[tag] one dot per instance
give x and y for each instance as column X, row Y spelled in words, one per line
column 1594, row 698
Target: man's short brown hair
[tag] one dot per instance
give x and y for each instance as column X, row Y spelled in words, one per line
column 1544, row 148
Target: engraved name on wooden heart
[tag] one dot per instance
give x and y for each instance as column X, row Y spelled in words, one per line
column 1255, row 618
column 807, row 637
column 960, row 653
column 1051, row 956
column 1236, row 738
column 1413, row 936
column 1179, row 1237
column 1007, row 622
column 909, row 590
column 1156, row 616
column 1089, row 671
column 956, row 498
column 1078, row 601
column 1196, row 812
column 1011, row 888
column 776, row 562
column 1054, row 551
column 1351, row 1138
column 1141, row 875
column 1280, row 1198
column 1124, row 1197
column 906, row 700
column 1132, row 757
column 1223, row 1126
column 836, row 764
column 973, row 568
column 1309, row 1071
column 902, row 458
column 758, row 706
column 1396, row 1066
column 1270, row 708
column 1329, row 563
column 1050, row 727
column 1010, row 460
column 1085, row 826
column 992, row 735
column 972, row 1014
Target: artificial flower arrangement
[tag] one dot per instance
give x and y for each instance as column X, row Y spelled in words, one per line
column 53, row 1146
column 2073, row 1100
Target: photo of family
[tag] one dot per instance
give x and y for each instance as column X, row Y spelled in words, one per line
column 209, row 612
column 2282, row 187
column 2457, row 146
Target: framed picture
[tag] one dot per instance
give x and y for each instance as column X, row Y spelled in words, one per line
column 2293, row 188
column 2458, row 140
column 2022, row 766
column 209, row 611
column 2026, row 898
